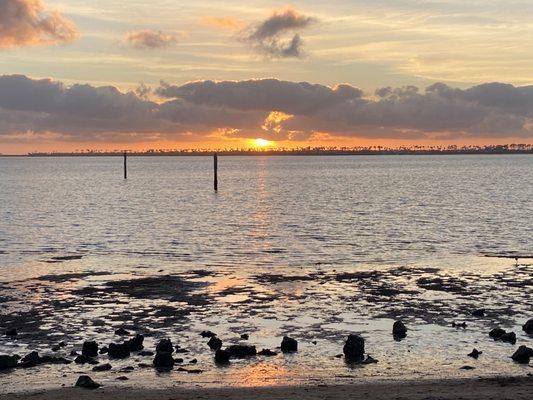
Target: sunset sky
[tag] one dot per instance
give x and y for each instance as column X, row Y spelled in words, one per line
column 119, row 74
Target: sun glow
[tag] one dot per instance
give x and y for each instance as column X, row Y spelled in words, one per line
column 262, row 142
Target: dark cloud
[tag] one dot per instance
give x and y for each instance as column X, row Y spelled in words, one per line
column 267, row 108
column 262, row 94
column 28, row 23
column 148, row 39
column 88, row 113
column 270, row 36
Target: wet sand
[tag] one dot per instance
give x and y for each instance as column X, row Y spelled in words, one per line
column 320, row 307
column 486, row 389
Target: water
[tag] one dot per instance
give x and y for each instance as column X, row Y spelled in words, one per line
column 268, row 252
column 279, row 211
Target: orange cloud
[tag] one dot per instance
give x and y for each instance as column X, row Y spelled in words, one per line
column 28, row 23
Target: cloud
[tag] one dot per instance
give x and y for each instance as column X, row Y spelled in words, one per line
column 87, row 113
column 270, row 36
column 268, row 108
column 261, row 94
column 229, row 23
column 28, row 23
column 149, row 39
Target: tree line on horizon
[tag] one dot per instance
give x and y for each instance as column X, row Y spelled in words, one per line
column 319, row 150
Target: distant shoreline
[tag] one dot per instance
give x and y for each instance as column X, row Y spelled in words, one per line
column 491, row 150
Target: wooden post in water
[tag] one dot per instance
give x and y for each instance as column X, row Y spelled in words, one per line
column 215, row 170
column 125, row 166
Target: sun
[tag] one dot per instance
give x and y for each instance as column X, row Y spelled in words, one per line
column 262, row 142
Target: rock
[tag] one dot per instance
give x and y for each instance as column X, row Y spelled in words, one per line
column 119, row 350
column 73, row 353
column 222, row 356
column 207, row 334
column 54, row 360
column 136, row 343
column 241, row 351
column 178, row 360
column 370, row 360
column 500, row 334
column 479, row 313
column 122, row 378
column 11, row 332
column 103, row 367
column 121, row 332
column 459, row 325
column 528, row 327
column 86, row 382
column 146, row 353
column 56, row 348
column 475, row 353
column 164, row 346
column 163, row 361
column 267, row 353
column 193, row 361
column 508, row 337
column 354, row 348
column 467, row 367
column 214, row 343
column 129, row 368
column 195, row 371
column 81, row 359
column 399, row 329
column 104, row 350
column 90, row 349
column 522, row 355
column 31, row 358
column 245, row 336
column 289, row 345
column 7, row 362
column 497, row 333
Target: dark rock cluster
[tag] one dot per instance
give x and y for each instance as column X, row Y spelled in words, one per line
column 502, row 335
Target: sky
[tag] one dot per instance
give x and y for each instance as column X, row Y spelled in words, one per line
column 219, row 74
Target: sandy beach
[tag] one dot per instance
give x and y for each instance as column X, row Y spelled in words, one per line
column 493, row 388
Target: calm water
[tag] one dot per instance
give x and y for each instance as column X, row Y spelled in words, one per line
column 280, row 211
column 312, row 247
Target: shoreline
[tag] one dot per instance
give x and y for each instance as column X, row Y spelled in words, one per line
column 480, row 388
column 269, row 154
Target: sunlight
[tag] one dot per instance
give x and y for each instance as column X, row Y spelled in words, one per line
column 262, row 142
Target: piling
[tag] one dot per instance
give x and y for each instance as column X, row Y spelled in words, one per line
column 215, row 170
column 125, row 166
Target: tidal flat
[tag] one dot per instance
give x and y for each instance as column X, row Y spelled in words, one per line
column 55, row 313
